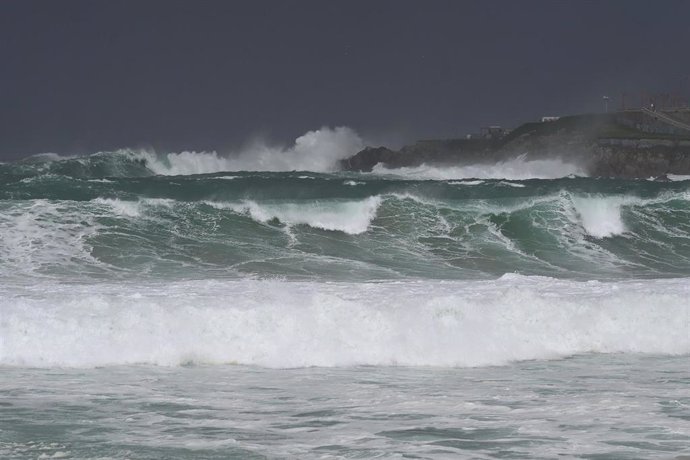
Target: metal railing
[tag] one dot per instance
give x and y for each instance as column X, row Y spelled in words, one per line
column 666, row 119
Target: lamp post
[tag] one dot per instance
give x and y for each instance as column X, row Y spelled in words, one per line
column 606, row 104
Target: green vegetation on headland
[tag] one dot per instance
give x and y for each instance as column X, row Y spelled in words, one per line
column 632, row 143
column 632, row 124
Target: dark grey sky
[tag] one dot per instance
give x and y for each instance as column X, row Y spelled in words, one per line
column 82, row 76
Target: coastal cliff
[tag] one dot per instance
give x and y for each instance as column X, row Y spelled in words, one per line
column 630, row 144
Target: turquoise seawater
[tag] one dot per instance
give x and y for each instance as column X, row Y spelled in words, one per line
column 157, row 306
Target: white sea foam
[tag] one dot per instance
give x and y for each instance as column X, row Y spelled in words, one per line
column 227, row 177
column 47, row 236
column 678, row 177
column 466, row 182
column 511, row 184
column 351, row 217
column 601, row 216
column 514, row 169
column 121, row 207
column 48, row 156
column 317, row 150
column 294, row 324
column 41, row 235
column 133, row 208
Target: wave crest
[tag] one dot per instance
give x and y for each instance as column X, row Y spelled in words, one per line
column 352, row 217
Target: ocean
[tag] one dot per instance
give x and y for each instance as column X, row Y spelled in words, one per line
column 191, row 306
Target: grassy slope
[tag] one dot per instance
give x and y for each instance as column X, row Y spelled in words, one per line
column 595, row 126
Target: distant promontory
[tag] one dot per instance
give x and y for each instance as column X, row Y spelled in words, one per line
column 639, row 143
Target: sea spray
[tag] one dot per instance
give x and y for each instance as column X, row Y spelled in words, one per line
column 318, row 150
column 514, row 169
column 601, row 216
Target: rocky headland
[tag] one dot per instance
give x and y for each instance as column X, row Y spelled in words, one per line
column 628, row 144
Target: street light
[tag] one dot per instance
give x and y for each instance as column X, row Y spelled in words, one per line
column 606, row 104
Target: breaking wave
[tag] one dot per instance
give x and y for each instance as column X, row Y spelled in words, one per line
column 299, row 226
column 283, row 325
column 317, row 151
column 351, row 217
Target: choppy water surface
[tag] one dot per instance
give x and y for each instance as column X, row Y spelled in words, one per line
column 175, row 306
column 596, row 406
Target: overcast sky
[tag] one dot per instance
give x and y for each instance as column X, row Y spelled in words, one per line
column 83, row 76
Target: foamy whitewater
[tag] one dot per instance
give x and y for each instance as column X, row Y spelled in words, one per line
column 263, row 304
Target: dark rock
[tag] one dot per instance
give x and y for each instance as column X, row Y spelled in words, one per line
column 366, row 159
column 605, row 145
